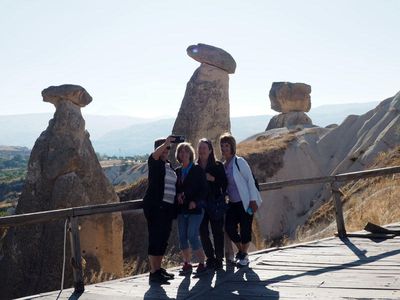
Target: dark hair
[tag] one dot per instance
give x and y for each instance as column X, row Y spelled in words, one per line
column 228, row 139
column 158, row 143
column 211, row 158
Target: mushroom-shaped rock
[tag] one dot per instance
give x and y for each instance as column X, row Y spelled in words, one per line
column 288, row 97
column 74, row 93
column 213, row 56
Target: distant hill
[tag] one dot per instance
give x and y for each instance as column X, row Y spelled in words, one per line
column 9, row 152
column 23, row 130
column 123, row 135
column 138, row 139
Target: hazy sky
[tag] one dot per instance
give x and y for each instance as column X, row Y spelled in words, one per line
column 131, row 55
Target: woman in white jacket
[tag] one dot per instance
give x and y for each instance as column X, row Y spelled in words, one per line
column 244, row 198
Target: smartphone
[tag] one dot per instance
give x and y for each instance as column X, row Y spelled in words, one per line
column 178, row 139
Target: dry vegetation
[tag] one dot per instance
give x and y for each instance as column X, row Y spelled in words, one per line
column 264, row 144
column 265, row 154
column 373, row 200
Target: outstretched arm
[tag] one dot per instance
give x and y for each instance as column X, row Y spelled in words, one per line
column 157, row 153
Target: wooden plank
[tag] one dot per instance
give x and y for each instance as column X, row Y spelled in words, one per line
column 329, row 269
column 330, row 179
column 337, row 201
column 51, row 215
column 76, row 255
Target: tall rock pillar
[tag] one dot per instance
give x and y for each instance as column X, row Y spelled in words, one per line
column 204, row 111
column 63, row 171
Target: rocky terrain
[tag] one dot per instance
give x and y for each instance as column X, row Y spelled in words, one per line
column 316, row 151
column 369, row 200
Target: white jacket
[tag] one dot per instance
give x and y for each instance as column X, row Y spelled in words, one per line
column 245, row 182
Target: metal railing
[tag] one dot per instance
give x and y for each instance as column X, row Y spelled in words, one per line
column 73, row 213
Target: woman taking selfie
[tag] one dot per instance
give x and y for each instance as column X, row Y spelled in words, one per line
column 215, row 204
column 191, row 189
column 158, row 207
column 244, row 198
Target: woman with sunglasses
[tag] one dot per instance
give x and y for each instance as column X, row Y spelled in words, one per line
column 215, row 204
column 159, row 207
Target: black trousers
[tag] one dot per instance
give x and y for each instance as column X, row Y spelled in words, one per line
column 217, row 228
column 159, row 224
column 235, row 216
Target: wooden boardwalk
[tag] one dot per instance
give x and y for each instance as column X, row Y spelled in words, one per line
column 351, row 268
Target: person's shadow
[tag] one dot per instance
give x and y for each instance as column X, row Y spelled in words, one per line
column 156, row 291
column 245, row 284
column 203, row 283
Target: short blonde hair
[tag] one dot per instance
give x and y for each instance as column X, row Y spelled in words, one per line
column 187, row 147
column 228, row 139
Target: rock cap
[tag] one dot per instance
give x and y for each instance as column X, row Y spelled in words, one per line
column 213, row 56
column 74, row 93
column 290, row 97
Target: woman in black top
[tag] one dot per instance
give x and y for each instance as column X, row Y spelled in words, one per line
column 215, row 204
column 191, row 190
column 158, row 207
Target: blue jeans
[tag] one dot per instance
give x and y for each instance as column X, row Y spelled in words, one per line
column 189, row 230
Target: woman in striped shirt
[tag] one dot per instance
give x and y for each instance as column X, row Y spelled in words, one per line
column 159, row 208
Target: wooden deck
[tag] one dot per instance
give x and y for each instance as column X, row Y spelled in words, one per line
column 352, row 268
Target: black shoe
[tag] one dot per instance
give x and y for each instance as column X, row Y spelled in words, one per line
column 239, row 256
column 230, row 262
column 166, row 274
column 210, row 263
column 218, row 265
column 158, row 278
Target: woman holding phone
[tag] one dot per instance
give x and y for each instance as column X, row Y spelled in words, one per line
column 159, row 208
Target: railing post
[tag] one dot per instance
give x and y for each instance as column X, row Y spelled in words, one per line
column 76, row 258
column 338, row 209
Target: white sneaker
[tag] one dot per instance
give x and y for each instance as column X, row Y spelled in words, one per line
column 244, row 261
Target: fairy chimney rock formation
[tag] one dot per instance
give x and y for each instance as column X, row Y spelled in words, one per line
column 292, row 100
column 63, row 171
column 204, row 111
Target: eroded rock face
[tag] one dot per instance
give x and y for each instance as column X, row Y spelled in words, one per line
column 292, row 100
column 288, row 97
column 204, row 111
column 63, row 171
column 315, row 152
column 213, row 56
column 289, row 120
